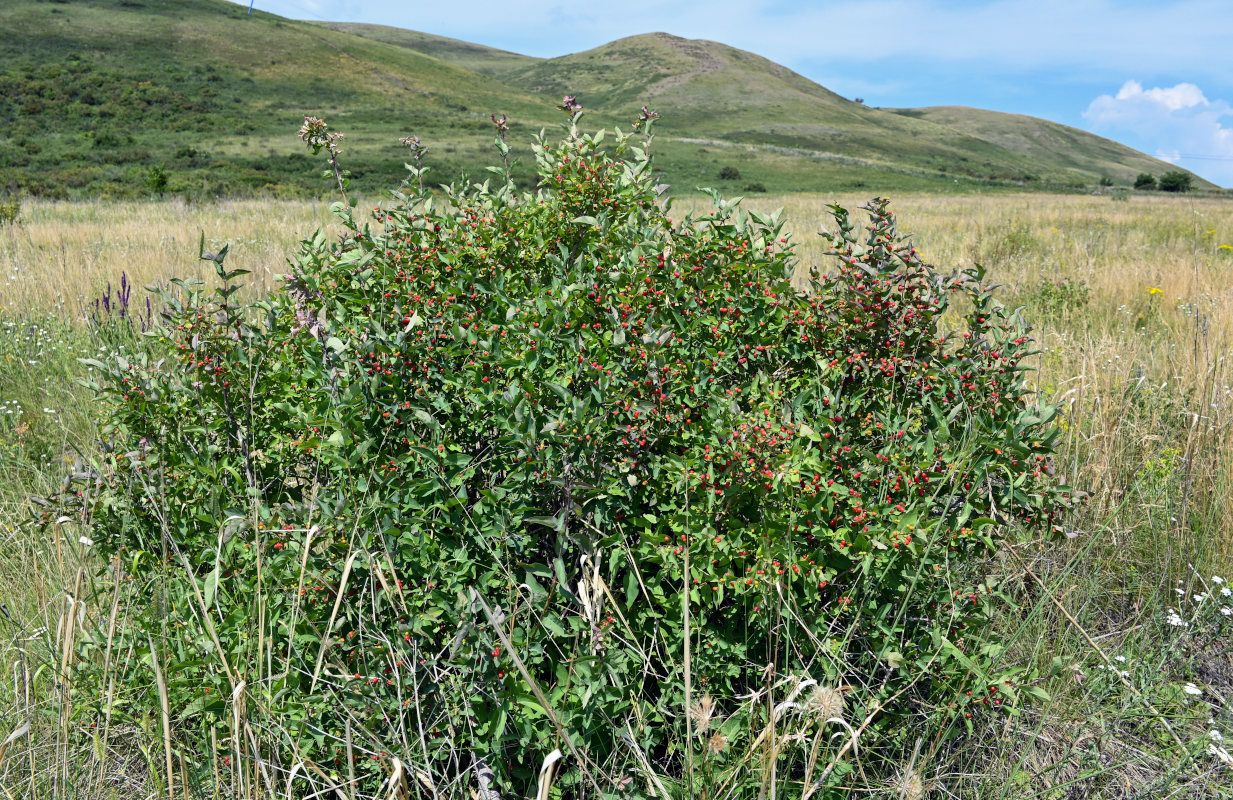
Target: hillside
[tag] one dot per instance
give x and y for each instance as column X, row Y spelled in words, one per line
column 470, row 56
column 128, row 97
column 1046, row 142
column 731, row 97
column 99, row 93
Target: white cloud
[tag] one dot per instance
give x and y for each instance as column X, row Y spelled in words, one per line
column 1184, row 95
column 1179, row 123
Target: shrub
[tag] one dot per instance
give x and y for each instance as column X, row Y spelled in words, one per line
column 756, row 186
column 729, row 173
column 156, row 179
column 1055, row 298
column 1175, row 181
column 10, row 210
column 498, row 472
column 1145, row 181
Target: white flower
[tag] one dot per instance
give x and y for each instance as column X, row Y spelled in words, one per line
column 1120, row 658
column 1192, row 690
column 1215, row 736
column 1220, row 753
column 86, row 540
column 1226, row 591
column 1228, row 612
column 1180, row 592
column 1216, row 579
column 1175, row 620
column 1199, row 598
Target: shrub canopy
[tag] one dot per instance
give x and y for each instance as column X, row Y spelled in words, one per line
column 660, row 451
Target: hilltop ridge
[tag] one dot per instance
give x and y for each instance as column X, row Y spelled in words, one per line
column 125, row 97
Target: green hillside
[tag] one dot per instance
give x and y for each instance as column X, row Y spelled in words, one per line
column 474, row 57
column 1047, row 142
column 98, row 93
column 128, row 97
column 729, row 107
column 745, row 105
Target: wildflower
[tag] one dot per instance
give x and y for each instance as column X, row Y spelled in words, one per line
column 1216, row 579
column 1220, row 753
column 1153, row 290
column 412, row 143
column 717, row 742
column 86, row 540
column 570, row 104
column 1175, row 620
column 1120, row 658
column 646, row 116
column 1225, row 591
column 313, row 133
column 1192, row 690
column 1215, row 736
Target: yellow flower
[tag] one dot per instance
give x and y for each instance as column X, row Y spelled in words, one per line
column 1154, row 290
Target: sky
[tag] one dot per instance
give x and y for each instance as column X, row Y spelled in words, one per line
column 1154, row 74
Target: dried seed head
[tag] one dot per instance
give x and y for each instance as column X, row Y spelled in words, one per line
column 911, row 786
column 702, row 713
column 826, row 703
column 717, row 743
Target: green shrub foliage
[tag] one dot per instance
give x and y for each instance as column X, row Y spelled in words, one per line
column 623, row 431
column 1176, row 181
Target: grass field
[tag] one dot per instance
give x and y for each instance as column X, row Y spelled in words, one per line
column 1126, row 621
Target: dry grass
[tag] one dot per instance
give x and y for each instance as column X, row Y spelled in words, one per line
column 63, row 254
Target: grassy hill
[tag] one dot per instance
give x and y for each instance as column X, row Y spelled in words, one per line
column 98, row 93
column 475, row 57
column 127, row 97
column 1046, row 142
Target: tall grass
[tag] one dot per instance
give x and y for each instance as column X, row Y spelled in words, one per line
column 1123, row 623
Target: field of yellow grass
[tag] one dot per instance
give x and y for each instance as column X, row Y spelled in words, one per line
column 1131, row 299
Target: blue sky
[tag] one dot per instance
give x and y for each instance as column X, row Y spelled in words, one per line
column 1155, row 75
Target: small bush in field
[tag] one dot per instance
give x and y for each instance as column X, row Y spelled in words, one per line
column 1053, row 298
column 502, row 472
column 729, row 173
column 1145, row 180
column 1176, row 181
column 10, row 210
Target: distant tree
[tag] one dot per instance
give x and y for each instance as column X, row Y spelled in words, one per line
column 756, row 186
column 1105, row 180
column 859, row 100
column 1175, row 181
column 1145, row 181
column 729, row 173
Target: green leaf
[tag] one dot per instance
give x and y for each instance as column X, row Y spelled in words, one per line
column 206, row 703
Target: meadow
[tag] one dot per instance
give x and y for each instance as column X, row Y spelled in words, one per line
column 1125, row 622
